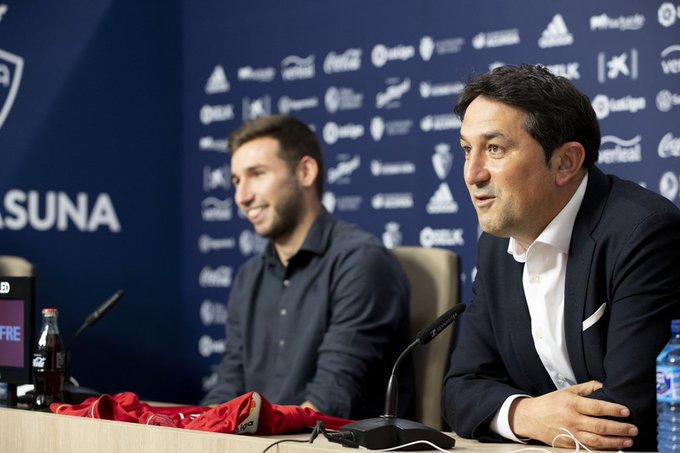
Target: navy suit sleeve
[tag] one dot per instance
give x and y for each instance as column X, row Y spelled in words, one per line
column 477, row 383
column 645, row 296
column 369, row 304
column 230, row 377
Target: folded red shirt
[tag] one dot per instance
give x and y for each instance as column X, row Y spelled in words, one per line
column 247, row 414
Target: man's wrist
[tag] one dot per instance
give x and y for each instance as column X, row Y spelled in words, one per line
column 500, row 424
column 518, row 417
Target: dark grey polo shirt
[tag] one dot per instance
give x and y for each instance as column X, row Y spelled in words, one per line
column 326, row 329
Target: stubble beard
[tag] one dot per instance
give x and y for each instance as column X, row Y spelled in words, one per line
column 287, row 212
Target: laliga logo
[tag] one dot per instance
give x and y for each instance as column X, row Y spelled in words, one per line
column 668, row 185
column 332, row 132
column 665, row 100
column 601, row 106
column 4, row 287
column 11, row 68
column 668, row 13
column 382, row 54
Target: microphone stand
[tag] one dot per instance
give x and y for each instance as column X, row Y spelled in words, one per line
column 389, row 431
column 73, row 392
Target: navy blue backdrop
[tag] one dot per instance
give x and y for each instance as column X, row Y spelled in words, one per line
column 96, row 115
column 129, row 105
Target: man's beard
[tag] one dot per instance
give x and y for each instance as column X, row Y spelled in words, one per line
column 287, row 212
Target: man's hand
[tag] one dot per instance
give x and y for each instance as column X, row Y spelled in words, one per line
column 541, row 418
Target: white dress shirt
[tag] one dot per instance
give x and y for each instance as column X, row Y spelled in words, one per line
column 543, row 279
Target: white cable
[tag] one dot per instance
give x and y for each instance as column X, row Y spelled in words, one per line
column 412, row 443
column 569, row 435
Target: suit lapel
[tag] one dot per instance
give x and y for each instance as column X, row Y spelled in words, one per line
column 581, row 249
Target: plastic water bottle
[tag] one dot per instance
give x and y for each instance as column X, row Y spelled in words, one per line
column 668, row 392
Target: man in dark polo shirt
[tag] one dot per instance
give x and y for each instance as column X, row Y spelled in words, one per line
column 318, row 319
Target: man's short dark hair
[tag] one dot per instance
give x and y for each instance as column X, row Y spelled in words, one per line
column 295, row 138
column 557, row 112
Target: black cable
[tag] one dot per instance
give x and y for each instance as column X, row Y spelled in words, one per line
column 285, row 440
column 345, row 438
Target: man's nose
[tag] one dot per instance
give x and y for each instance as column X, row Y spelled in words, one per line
column 475, row 171
column 244, row 195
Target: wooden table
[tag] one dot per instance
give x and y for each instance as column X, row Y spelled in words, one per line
column 23, row 431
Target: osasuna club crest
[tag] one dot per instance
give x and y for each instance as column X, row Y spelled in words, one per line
column 442, row 160
column 11, row 68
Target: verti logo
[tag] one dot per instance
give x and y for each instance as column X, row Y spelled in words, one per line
column 11, row 68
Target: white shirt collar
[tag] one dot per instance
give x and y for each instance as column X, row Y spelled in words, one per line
column 558, row 232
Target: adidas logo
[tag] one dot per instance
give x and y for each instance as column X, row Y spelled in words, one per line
column 556, row 34
column 217, row 82
column 442, row 201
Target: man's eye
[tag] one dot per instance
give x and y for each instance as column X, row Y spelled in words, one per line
column 495, row 149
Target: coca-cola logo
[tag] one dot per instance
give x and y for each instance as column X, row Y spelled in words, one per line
column 39, row 361
column 349, row 60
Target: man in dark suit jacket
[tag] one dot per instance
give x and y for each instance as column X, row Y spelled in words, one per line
column 578, row 274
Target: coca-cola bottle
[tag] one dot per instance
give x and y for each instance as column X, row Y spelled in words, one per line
column 48, row 362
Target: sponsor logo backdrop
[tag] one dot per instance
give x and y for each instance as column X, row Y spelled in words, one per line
column 379, row 90
column 114, row 119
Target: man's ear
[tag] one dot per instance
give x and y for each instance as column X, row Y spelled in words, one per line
column 307, row 171
column 567, row 161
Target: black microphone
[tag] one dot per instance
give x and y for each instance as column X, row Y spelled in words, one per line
column 435, row 328
column 98, row 314
column 388, row 431
column 423, row 337
column 74, row 393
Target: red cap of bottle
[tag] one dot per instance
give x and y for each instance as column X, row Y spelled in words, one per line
column 50, row 312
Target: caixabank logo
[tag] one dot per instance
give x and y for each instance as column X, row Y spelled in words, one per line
column 11, row 69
